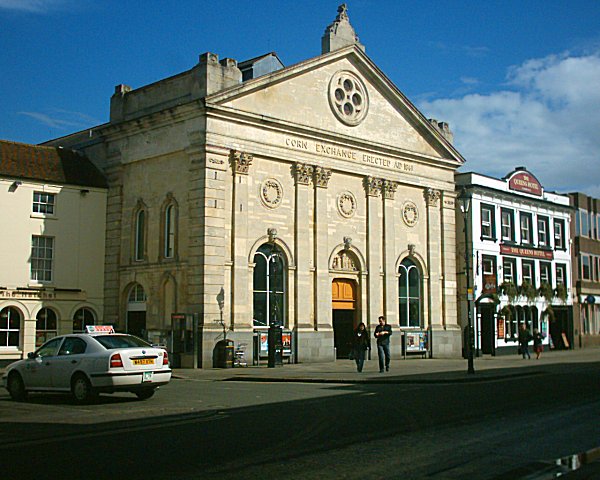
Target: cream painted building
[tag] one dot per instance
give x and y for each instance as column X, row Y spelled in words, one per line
column 53, row 211
column 315, row 196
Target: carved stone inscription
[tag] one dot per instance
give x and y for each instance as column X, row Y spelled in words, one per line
column 332, row 151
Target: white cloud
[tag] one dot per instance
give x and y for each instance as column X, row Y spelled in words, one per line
column 547, row 119
column 32, row 6
column 62, row 119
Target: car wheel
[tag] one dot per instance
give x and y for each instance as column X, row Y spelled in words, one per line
column 16, row 387
column 145, row 394
column 81, row 389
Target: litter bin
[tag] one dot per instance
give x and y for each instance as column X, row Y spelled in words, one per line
column 223, row 356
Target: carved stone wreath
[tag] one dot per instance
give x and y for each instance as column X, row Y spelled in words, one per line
column 410, row 214
column 346, row 204
column 271, row 193
column 348, row 98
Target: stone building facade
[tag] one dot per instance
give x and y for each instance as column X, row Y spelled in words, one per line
column 315, row 196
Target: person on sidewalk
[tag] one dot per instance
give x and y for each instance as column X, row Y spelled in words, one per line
column 524, row 338
column 360, row 344
column 538, row 346
column 382, row 334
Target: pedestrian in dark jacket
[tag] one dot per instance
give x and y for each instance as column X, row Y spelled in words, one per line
column 524, row 338
column 360, row 344
column 538, row 343
column 382, row 334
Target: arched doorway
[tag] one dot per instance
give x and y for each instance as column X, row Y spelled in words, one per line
column 343, row 295
column 136, row 312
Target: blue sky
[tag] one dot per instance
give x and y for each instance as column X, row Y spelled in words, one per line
column 518, row 81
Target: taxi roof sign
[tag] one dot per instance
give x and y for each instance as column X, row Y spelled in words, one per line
column 100, row 329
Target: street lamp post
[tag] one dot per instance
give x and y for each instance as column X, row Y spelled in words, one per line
column 465, row 203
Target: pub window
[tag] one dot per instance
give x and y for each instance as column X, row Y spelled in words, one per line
column 561, row 274
column 45, row 326
column 559, row 234
column 10, row 327
column 527, row 271
column 543, row 239
column 487, row 222
column 43, row 203
column 42, row 256
column 546, row 273
column 409, row 298
column 508, row 270
column 489, row 273
column 269, row 287
column 526, row 237
column 82, row 318
column 508, row 225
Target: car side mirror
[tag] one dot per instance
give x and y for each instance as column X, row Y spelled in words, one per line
column 31, row 355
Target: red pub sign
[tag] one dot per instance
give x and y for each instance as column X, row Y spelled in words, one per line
column 527, row 252
column 525, row 182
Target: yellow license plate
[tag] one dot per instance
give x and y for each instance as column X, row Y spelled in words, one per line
column 144, row 361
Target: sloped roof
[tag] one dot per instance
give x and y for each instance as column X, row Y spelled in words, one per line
column 48, row 164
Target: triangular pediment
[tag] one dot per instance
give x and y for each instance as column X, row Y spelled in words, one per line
column 341, row 93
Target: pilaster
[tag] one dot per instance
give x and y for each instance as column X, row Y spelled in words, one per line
column 373, row 187
column 434, row 259
column 390, row 296
column 241, row 282
column 304, row 317
column 321, row 228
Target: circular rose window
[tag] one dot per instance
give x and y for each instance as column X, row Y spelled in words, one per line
column 348, row 98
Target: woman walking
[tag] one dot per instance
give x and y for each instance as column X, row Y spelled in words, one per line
column 361, row 343
column 538, row 339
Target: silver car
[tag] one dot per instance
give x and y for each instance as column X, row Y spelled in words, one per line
column 89, row 364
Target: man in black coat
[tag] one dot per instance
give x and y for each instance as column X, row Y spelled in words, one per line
column 382, row 334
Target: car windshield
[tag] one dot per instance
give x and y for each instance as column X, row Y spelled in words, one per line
column 120, row 341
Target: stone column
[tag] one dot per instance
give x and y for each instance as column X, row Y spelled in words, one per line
column 434, row 257
column 373, row 188
column 304, row 318
column 321, row 227
column 390, row 296
column 241, row 281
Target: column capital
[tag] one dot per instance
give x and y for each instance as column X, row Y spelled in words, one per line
column 303, row 173
column 373, row 186
column 240, row 161
column 431, row 197
column 321, row 176
column 389, row 189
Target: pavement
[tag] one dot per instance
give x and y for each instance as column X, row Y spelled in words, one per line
column 409, row 370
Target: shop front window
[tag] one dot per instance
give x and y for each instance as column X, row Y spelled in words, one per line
column 82, row 318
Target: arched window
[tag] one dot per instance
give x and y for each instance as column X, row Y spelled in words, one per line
column 269, row 287
column 169, row 233
column 45, row 326
column 140, row 235
column 409, row 298
column 137, row 294
column 10, row 327
column 82, row 318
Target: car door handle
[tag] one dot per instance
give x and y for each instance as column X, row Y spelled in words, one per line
column 47, row 363
column 73, row 361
